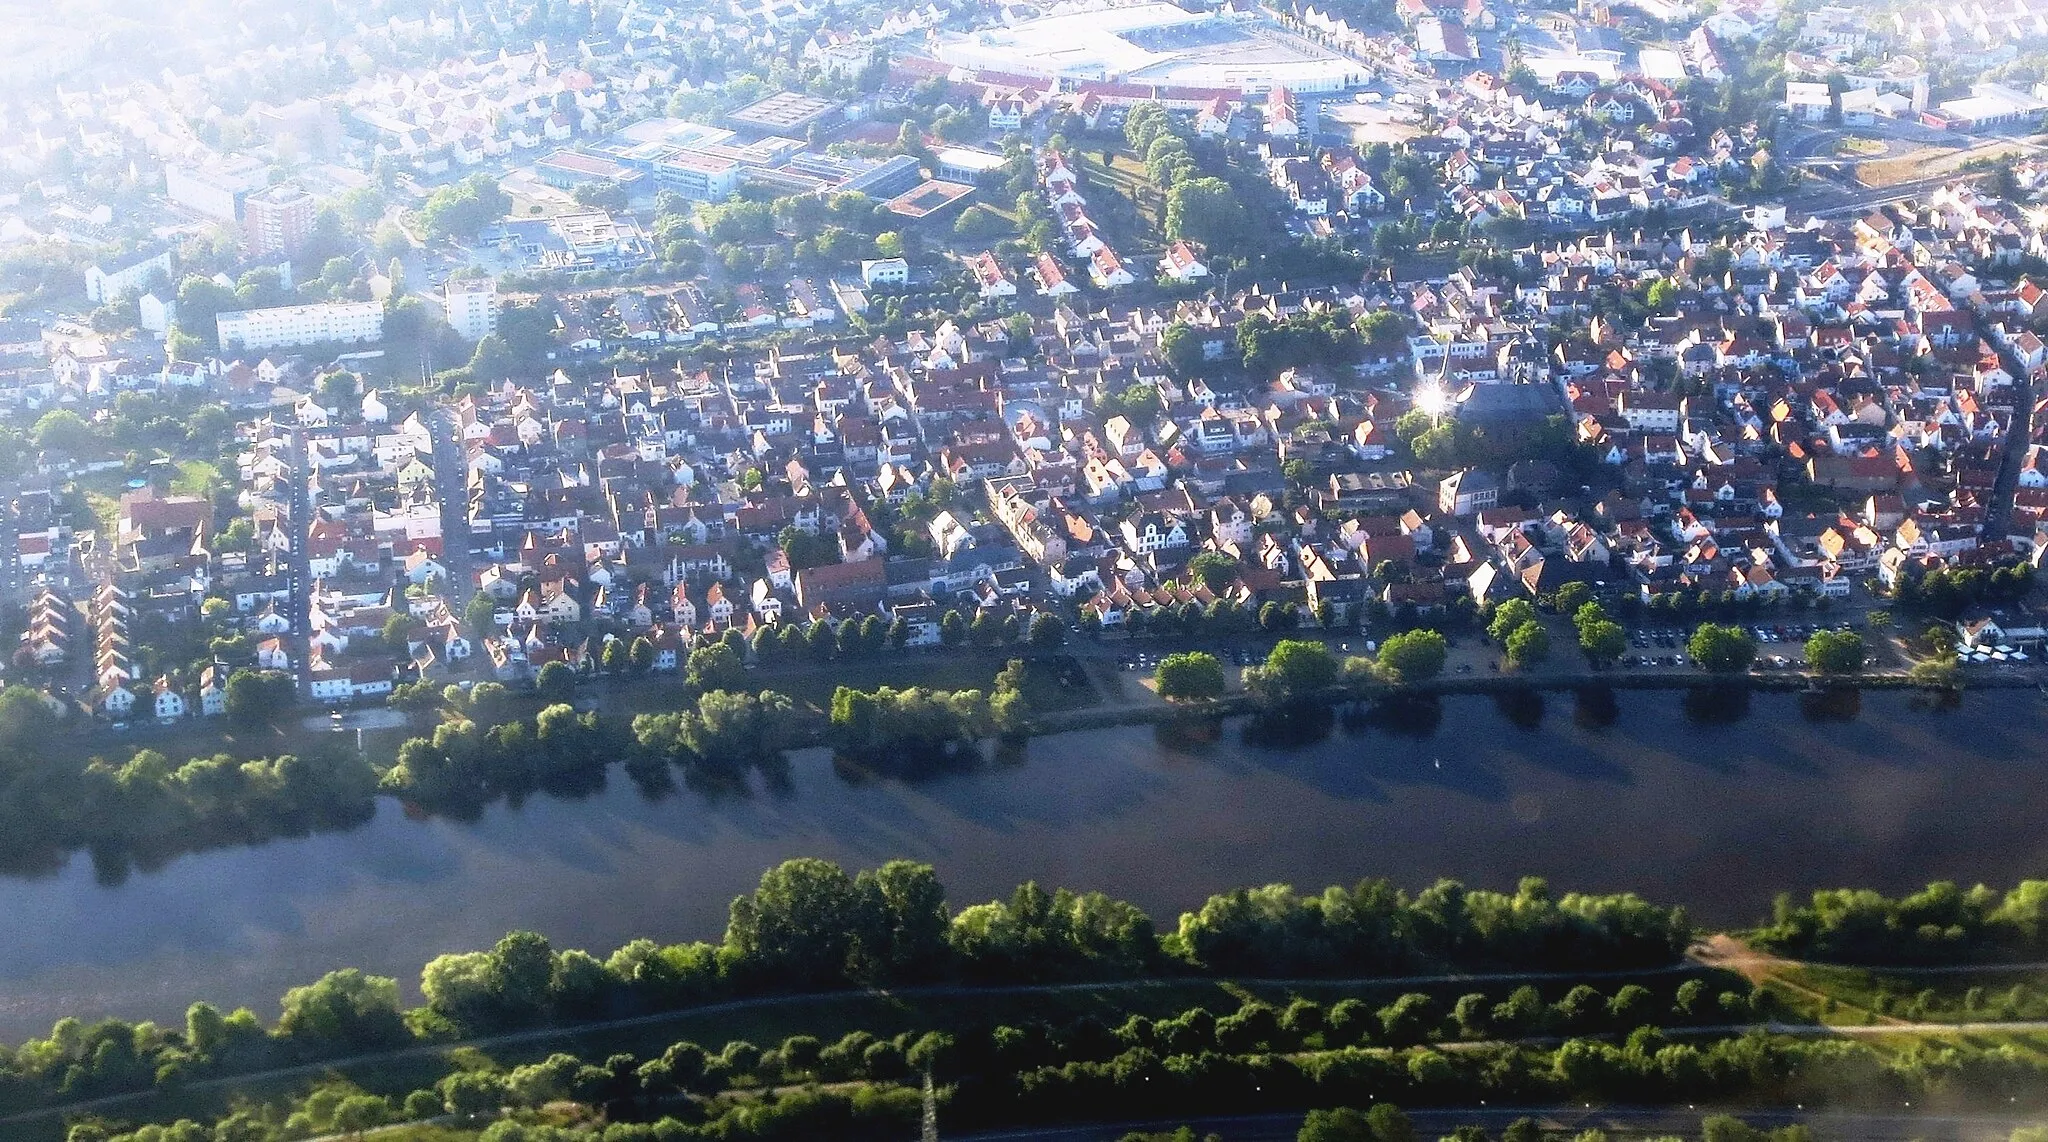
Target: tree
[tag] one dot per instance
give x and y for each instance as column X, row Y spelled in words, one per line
column 1721, row 649
column 344, row 1011
column 1181, row 348
column 984, row 630
column 1941, row 672
column 1389, row 1123
column 1215, row 569
column 417, row 700
column 640, row 655
column 1602, row 640
column 1206, row 210
column 1047, row 632
column 1835, row 652
column 469, row 1095
column 62, row 430
column 258, row 697
column 481, row 615
column 1510, row 617
column 395, row 630
column 1528, row 645
column 1412, row 656
column 952, row 628
column 798, row 926
column 492, row 360
column 1408, row 1018
column 718, row 667
column 200, row 300
column 1570, row 597
column 1296, row 669
column 1662, row 294
column 1192, row 676
column 1340, row 1125
column 460, row 209
column 555, row 683
column 1384, row 329
column 359, row 1112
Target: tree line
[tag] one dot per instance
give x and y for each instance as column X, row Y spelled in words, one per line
column 1941, row 924
column 1259, row 1058
column 810, row 925
column 150, row 807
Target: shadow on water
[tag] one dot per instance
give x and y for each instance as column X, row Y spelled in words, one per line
column 1831, row 704
column 1407, row 715
column 1936, row 701
column 1716, row 704
column 1290, row 727
column 911, row 763
column 654, row 782
column 1595, row 707
column 1189, row 735
column 1523, row 709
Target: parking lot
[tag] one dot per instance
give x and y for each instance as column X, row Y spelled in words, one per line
column 1779, row 646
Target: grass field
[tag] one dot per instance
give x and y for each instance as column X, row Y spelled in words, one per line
column 1865, row 996
column 1143, row 205
column 1928, row 162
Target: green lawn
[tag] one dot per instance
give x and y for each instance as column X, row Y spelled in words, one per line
column 1948, row 997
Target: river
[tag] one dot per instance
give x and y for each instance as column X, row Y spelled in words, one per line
column 1718, row 805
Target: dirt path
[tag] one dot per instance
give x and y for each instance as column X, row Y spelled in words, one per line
column 1729, row 953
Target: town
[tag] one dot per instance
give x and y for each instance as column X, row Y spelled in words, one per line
column 595, row 347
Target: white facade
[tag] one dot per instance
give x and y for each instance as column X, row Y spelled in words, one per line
column 472, row 307
column 106, row 285
column 885, row 271
column 216, row 189
column 293, row 325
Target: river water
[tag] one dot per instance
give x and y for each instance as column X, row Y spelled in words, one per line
column 1718, row 804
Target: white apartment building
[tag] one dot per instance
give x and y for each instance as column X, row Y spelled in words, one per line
column 472, row 305
column 292, row 325
column 215, row 187
column 103, row 285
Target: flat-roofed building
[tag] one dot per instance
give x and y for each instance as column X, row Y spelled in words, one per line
column 293, row 325
column 472, row 305
column 783, row 113
column 968, row 164
column 698, row 176
column 277, row 220
column 567, row 170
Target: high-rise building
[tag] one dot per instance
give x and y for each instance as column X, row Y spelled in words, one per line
column 277, row 220
column 472, row 307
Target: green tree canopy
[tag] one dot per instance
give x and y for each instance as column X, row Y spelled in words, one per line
column 1190, row 676
column 1835, row 652
column 1721, row 649
column 1294, row 670
column 460, row 209
column 1412, row 656
column 1207, row 210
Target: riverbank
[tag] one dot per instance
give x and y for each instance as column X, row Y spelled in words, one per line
column 1721, row 799
column 1243, row 704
